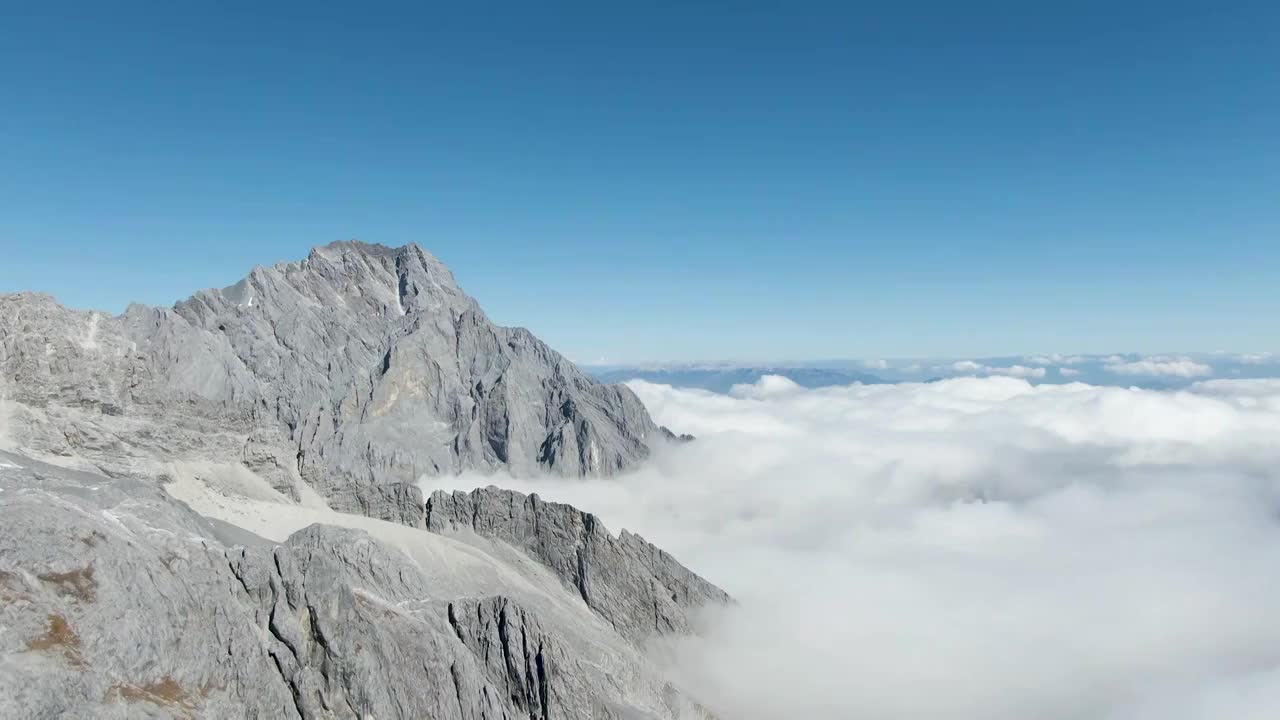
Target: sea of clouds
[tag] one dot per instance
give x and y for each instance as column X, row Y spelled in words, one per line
column 972, row 548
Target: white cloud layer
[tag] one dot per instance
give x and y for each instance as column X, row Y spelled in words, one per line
column 1159, row 367
column 973, row 548
column 1056, row 359
column 1019, row 371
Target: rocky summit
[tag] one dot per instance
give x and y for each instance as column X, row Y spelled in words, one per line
column 356, row 370
column 211, row 510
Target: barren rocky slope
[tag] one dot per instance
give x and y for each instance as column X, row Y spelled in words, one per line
column 210, row 510
column 117, row 601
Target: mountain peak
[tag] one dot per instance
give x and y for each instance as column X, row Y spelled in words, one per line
column 395, row 262
column 351, row 277
column 338, row 248
column 337, row 380
column 363, row 366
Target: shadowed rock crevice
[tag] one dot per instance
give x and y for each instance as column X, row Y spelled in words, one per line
column 513, row 647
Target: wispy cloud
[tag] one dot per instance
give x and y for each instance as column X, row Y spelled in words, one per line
column 1056, row 359
column 1159, row 367
column 1018, row 371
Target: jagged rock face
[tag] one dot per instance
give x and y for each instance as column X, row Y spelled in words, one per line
column 118, row 602
column 350, row 373
column 639, row 589
column 113, row 603
column 357, row 368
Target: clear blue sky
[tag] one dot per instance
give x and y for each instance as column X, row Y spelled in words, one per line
column 674, row 182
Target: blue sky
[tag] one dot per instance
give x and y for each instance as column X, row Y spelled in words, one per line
column 675, row 182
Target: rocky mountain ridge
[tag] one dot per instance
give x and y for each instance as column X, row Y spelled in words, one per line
column 211, row 510
column 116, row 601
column 353, row 371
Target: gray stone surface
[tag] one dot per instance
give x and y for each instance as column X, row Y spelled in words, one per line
column 358, row 367
column 116, row 601
column 168, row 547
column 639, row 589
column 115, row 604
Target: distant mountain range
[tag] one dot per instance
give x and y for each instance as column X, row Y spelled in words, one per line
column 1164, row 371
column 721, row 380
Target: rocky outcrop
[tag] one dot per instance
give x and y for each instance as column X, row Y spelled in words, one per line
column 118, row 602
column 168, row 482
column 114, row 604
column 639, row 589
column 358, row 367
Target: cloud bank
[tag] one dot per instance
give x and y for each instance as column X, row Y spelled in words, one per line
column 1019, row 371
column 1057, row 359
column 970, row 548
column 1159, row 367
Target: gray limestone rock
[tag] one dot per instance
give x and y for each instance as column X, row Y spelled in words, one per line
column 360, row 366
column 336, row 380
column 672, row 437
column 116, row 601
column 639, row 589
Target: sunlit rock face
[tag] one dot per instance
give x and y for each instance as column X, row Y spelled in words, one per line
column 119, row 601
column 214, row 510
column 358, row 369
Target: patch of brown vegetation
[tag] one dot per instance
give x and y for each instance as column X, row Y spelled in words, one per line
column 61, row 637
column 77, row 584
column 165, row 692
